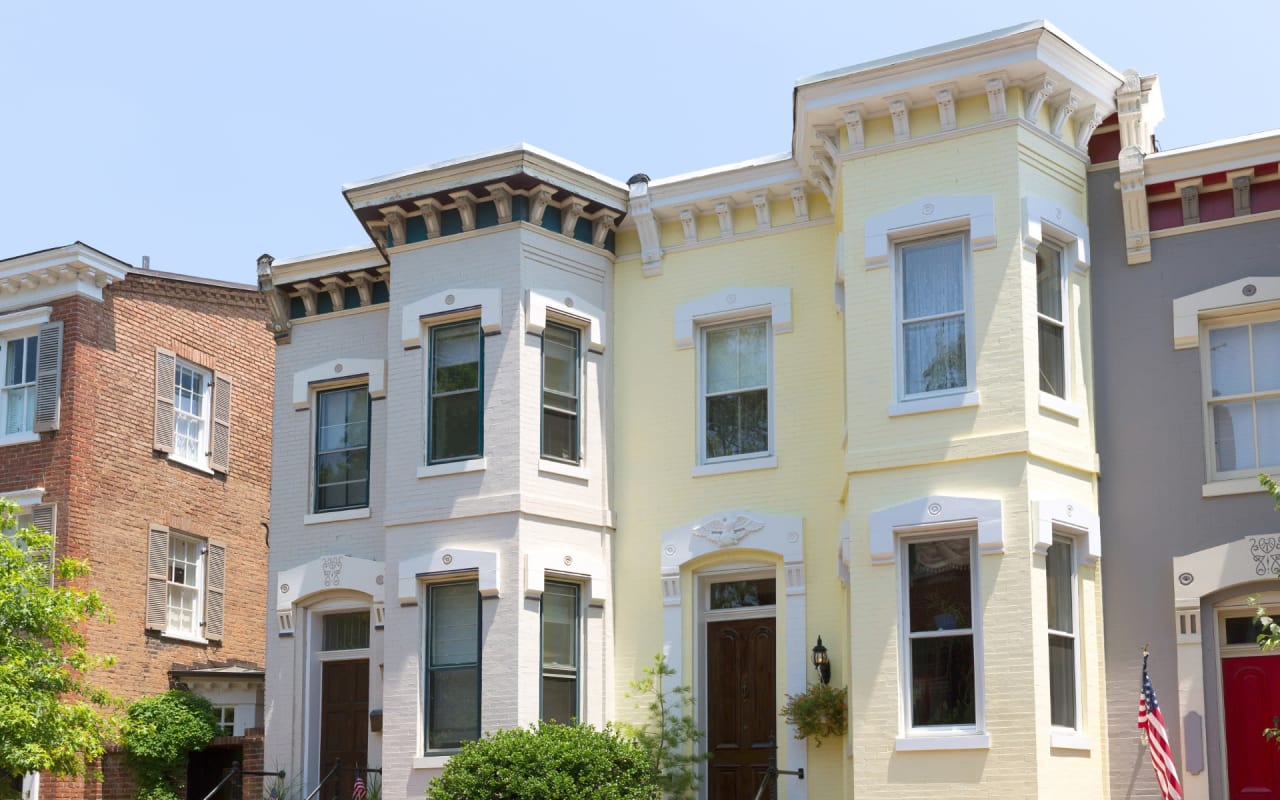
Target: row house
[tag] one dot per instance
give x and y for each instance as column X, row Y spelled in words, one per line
column 552, row 424
column 1187, row 313
column 136, row 431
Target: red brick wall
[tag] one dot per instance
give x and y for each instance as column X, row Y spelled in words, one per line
column 109, row 484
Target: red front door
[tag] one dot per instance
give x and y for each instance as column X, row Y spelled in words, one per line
column 1251, row 696
column 742, row 712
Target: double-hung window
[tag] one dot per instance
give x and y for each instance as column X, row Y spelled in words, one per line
column 1050, row 291
column 186, row 579
column 933, row 289
column 736, row 373
column 941, row 625
column 455, row 418
column 560, row 653
column 342, row 449
column 561, row 393
column 20, row 384
column 192, row 389
column 452, row 672
column 192, row 413
column 1060, row 574
column 1243, row 396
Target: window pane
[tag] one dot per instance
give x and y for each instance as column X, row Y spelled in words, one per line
column 753, row 355
column 939, row 594
column 1061, row 592
column 1242, row 630
column 1062, row 681
column 932, row 278
column 1266, row 356
column 1269, row 432
column 559, row 699
column 455, row 357
column 1229, row 360
column 13, row 371
column 722, row 360
column 1049, row 281
column 934, row 355
column 743, row 594
column 453, row 707
column 737, row 423
column 1233, row 436
column 559, row 436
column 560, row 360
column 342, row 449
column 454, row 624
column 942, row 681
column 1052, row 368
column 346, row 631
column 455, row 426
column 559, row 626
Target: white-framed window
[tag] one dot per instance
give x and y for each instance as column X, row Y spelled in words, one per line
column 561, row 651
column 1061, row 593
column 1051, row 293
column 30, row 385
column 934, row 348
column 735, row 376
column 451, row 665
column 226, row 719
column 941, row 631
column 455, row 395
column 44, row 516
column 192, row 392
column 341, row 470
column 192, row 413
column 561, row 393
column 1241, row 373
column 186, row 577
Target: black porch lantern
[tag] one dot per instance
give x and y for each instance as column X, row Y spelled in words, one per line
column 822, row 662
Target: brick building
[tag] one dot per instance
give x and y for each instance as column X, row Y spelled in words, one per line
column 137, row 428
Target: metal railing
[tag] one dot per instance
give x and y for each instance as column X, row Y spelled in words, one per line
column 333, row 773
column 771, row 774
column 236, row 772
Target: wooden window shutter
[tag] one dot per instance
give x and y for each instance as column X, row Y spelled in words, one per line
column 166, row 370
column 45, row 517
column 48, row 377
column 157, row 577
column 215, row 570
column 220, row 440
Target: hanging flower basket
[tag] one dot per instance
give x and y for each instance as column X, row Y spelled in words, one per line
column 818, row 712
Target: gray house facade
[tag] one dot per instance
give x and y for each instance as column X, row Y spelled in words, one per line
column 1186, row 315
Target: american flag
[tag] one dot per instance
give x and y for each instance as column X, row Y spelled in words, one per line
column 1151, row 722
column 358, row 791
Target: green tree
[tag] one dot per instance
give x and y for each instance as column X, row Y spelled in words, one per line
column 159, row 733
column 670, row 733
column 1269, row 635
column 547, row 761
column 51, row 716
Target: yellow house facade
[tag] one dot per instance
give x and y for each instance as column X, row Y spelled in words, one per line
column 851, row 400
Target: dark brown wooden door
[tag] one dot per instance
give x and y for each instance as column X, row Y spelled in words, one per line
column 1251, row 700
column 742, row 711
column 344, row 719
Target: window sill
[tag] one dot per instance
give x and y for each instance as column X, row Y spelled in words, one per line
column 925, row 405
column 575, row 471
column 336, row 516
column 183, row 637
column 1059, row 406
column 971, row 741
column 1230, row 486
column 431, row 762
column 190, row 465
column 19, row 438
column 453, row 467
column 738, row 465
column 1070, row 740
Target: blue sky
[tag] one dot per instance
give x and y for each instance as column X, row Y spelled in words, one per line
column 205, row 134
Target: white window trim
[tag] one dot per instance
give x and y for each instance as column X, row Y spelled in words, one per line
column 1247, row 317
column 311, row 516
column 24, row 499
column 1074, row 542
column 744, row 461
column 572, row 309
column 20, row 323
column 476, row 463
column 440, row 564
column 201, row 463
column 307, row 381
column 1044, row 221
column 733, row 303
column 942, row 399
column 935, row 737
column 447, row 306
column 936, row 513
column 201, row 567
column 297, row 585
column 929, row 216
column 1227, row 299
column 585, row 329
column 1066, row 517
column 422, row 586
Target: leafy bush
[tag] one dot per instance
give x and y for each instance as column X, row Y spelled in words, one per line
column 159, row 733
column 818, row 712
column 547, row 762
